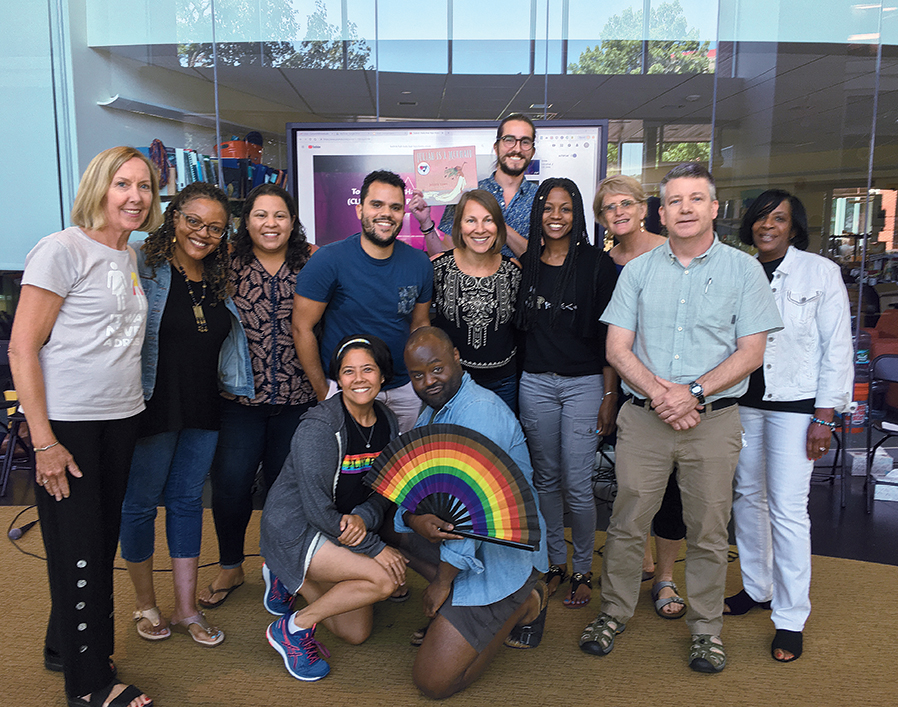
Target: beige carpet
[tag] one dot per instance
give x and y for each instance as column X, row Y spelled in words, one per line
column 850, row 656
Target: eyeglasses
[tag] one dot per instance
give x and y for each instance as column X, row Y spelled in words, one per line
column 510, row 141
column 195, row 225
column 624, row 204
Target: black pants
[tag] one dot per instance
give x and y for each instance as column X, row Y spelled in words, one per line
column 668, row 522
column 81, row 537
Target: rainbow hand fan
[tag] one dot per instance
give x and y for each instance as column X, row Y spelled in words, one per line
column 462, row 477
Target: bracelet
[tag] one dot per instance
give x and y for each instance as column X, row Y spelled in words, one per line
column 831, row 425
column 44, row 449
column 433, row 225
column 610, row 392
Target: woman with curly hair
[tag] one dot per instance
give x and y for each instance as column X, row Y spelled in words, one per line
column 269, row 249
column 568, row 390
column 194, row 345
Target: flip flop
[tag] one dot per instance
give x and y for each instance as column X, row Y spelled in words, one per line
column 212, row 592
column 216, row 635
column 154, row 616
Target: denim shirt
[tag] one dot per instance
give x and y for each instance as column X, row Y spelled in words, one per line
column 489, row 572
column 235, row 373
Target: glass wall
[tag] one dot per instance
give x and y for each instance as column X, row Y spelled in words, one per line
column 800, row 95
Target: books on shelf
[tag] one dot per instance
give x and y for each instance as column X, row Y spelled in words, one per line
column 241, row 175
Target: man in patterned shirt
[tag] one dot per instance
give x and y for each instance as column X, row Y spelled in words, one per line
column 515, row 146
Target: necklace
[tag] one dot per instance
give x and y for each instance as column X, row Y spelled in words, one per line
column 362, row 434
column 198, row 313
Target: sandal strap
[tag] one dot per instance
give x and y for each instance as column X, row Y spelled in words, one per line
column 153, row 615
column 658, row 586
column 555, row 571
column 578, row 578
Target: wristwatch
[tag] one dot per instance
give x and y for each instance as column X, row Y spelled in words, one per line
column 696, row 389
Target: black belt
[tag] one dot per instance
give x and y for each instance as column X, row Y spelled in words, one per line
column 718, row 404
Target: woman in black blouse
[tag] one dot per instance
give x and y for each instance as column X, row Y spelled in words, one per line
column 568, row 390
column 474, row 292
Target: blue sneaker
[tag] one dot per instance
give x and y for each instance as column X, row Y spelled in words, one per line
column 278, row 601
column 299, row 650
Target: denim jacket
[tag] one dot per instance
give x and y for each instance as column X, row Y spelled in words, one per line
column 489, row 572
column 235, row 372
column 812, row 356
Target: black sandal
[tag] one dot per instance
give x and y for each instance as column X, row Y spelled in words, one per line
column 742, row 603
column 529, row 635
column 578, row 579
column 555, row 571
column 789, row 641
column 98, row 697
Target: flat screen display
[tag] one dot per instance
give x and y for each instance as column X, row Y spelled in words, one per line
column 329, row 161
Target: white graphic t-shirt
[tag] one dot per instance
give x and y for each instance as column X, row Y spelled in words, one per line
column 91, row 363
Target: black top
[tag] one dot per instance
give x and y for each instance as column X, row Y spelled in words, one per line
column 575, row 345
column 754, row 396
column 478, row 315
column 186, row 392
column 363, row 446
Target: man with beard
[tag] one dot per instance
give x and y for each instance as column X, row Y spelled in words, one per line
column 515, row 146
column 481, row 594
column 368, row 283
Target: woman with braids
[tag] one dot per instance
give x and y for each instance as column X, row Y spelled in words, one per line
column 568, row 390
column 194, row 344
column 269, row 249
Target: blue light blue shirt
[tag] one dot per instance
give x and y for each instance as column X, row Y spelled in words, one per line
column 489, row 572
column 687, row 319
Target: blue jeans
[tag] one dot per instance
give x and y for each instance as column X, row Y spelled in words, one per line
column 507, row 389
column 169, row 467
column 250, row 435
column 559, row 415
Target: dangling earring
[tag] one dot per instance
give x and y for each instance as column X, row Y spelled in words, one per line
column 174, row 239
column 642, row 226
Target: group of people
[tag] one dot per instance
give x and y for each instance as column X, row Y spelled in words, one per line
column 309, row 363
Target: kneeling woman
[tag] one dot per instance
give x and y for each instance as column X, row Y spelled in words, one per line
column 318, row 527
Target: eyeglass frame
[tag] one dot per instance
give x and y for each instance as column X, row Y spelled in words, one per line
column 622, row 204
column 203, row 225
column 510, row 141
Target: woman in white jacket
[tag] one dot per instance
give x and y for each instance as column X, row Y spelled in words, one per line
column 787, row 415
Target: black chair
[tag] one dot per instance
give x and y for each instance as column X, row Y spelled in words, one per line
column 14, row 440
column 882, row 415
column 838, row 467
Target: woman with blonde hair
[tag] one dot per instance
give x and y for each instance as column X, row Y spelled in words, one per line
column 75, row 359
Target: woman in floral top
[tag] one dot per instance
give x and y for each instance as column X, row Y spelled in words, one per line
column 270, row 248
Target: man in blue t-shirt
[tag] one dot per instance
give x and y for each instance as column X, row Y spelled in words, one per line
column 369, row 283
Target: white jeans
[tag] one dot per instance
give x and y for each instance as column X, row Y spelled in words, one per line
column 770, row 512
